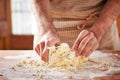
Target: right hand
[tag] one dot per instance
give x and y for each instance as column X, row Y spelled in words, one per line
column 48, row 39
column 85, row 43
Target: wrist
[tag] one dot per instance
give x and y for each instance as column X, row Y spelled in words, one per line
column 45, row 35
column 45, row 27
column 101, row 26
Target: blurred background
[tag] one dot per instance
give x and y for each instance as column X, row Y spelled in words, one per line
column 17, row 25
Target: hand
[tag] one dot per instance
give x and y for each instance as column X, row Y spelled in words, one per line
column 85, row 44
column 47, row 40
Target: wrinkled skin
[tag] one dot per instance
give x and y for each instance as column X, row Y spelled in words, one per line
column 85, row 44
column 47, row 40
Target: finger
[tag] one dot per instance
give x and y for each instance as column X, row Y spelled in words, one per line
column 45, row 55
column 57, row 44
column 84, row 42
column 37, row 49
column 90, row 47
column 79, row 38
column 45, row 51
column 53, row 42
column 88, row 53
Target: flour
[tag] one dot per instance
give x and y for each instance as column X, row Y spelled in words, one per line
column 32, row 68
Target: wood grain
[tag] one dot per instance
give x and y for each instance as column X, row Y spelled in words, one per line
column 1, row 44
column 23, row 42
column 2, row 9
column 6, row 62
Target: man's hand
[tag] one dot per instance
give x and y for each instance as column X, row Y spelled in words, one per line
column 85, row 44
column 47, row 40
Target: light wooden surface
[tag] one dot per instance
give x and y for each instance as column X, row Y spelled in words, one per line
column 4, row 53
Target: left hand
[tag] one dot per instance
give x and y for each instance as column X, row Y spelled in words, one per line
column 85, row 44
column 48, row 39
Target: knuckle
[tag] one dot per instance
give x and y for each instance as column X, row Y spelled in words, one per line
column 95, row 40
column 84, row 51
column 91, row 34
column 84, row 32
column 78, row 40
column 75, row 47
column 83, row 42
column 90, row 44
column 79, row 49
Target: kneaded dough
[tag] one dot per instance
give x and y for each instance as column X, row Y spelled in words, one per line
column 62, row 56
column 63, row 64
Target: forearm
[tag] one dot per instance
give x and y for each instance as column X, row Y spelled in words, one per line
column 108, row 15
column 41, row 9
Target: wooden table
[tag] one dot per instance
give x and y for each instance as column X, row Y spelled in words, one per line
column 4, row 62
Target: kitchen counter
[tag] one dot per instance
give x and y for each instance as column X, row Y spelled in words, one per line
column 11, row 57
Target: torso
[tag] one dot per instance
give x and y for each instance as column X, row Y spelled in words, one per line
column 76, row 8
